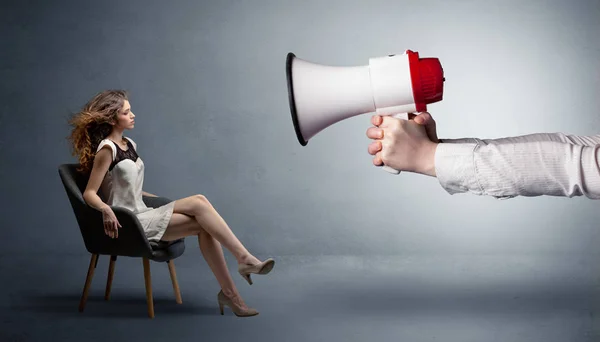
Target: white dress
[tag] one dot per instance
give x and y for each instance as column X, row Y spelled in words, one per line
column 122, row 187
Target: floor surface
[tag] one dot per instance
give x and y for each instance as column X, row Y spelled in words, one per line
column 322, row 298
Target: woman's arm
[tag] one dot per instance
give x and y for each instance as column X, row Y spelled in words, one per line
column 101, row 164
column 144, row 193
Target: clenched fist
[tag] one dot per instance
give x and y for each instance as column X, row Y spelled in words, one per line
column 405, row 145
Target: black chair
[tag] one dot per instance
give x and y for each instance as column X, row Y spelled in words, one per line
column 131, row 241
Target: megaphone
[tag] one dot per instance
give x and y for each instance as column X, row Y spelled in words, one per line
column 321, row 95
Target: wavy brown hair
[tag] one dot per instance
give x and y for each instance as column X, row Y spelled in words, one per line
column 93, row 124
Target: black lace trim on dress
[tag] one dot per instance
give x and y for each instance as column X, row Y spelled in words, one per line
column 122, row 155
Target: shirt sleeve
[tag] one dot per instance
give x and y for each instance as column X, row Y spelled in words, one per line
column 553, row 164
column 559, row 137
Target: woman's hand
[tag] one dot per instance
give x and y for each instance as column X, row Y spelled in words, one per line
column 405, row 145
column 111, row 224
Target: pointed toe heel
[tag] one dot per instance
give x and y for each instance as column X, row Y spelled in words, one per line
column 236, row 308
column 261, row 268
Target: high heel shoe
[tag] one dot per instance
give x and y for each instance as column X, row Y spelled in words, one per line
column 260, row 268
column 237, row 310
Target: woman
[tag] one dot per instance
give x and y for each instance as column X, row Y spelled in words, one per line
column 118, row 172
column 551, row 164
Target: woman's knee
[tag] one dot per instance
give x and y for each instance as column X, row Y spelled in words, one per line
column 193, row 205
column 201, row 203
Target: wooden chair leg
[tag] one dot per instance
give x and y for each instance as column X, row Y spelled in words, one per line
column 148, row 287
column 88, row 281
column 111, row 272
column 174, row 281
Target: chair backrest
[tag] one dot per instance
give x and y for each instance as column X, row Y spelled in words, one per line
column 131, row 241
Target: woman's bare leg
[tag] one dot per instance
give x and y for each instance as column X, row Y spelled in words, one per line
column 182, row 225
column 209, row 219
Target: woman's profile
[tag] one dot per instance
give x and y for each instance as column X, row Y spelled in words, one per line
column 116, row 172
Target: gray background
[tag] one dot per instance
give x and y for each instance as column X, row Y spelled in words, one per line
column 207, row 84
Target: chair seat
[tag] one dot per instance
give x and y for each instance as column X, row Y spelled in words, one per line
column 166, row 250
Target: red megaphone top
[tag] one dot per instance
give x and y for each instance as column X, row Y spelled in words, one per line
column 427, row 78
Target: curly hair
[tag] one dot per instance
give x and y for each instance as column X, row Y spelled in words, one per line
column 93, row 124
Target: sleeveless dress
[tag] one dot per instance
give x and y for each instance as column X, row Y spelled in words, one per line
column 122, row 187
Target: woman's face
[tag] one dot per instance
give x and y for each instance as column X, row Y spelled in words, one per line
column 125, row 117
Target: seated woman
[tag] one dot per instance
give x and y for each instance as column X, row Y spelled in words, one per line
column 118, row 172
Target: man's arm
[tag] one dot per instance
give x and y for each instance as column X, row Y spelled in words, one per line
column 533, row 165
column 591, row 140
column 554, row 164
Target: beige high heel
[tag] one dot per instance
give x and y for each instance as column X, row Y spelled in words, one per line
column 238, row 311
column 260, row 268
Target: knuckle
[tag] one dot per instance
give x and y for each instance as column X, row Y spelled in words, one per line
column 387, row 144
column 384, row 158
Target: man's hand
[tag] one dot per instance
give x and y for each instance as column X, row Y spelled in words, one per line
column 405, row 145
column 426, row 120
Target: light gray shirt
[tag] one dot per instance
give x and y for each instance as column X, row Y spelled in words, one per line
column 538, row 164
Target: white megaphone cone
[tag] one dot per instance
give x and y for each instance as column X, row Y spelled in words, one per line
column 321, row 95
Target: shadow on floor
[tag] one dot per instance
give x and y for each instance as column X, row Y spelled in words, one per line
column 122, row 306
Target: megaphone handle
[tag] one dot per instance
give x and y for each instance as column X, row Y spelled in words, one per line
column 402, row 116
